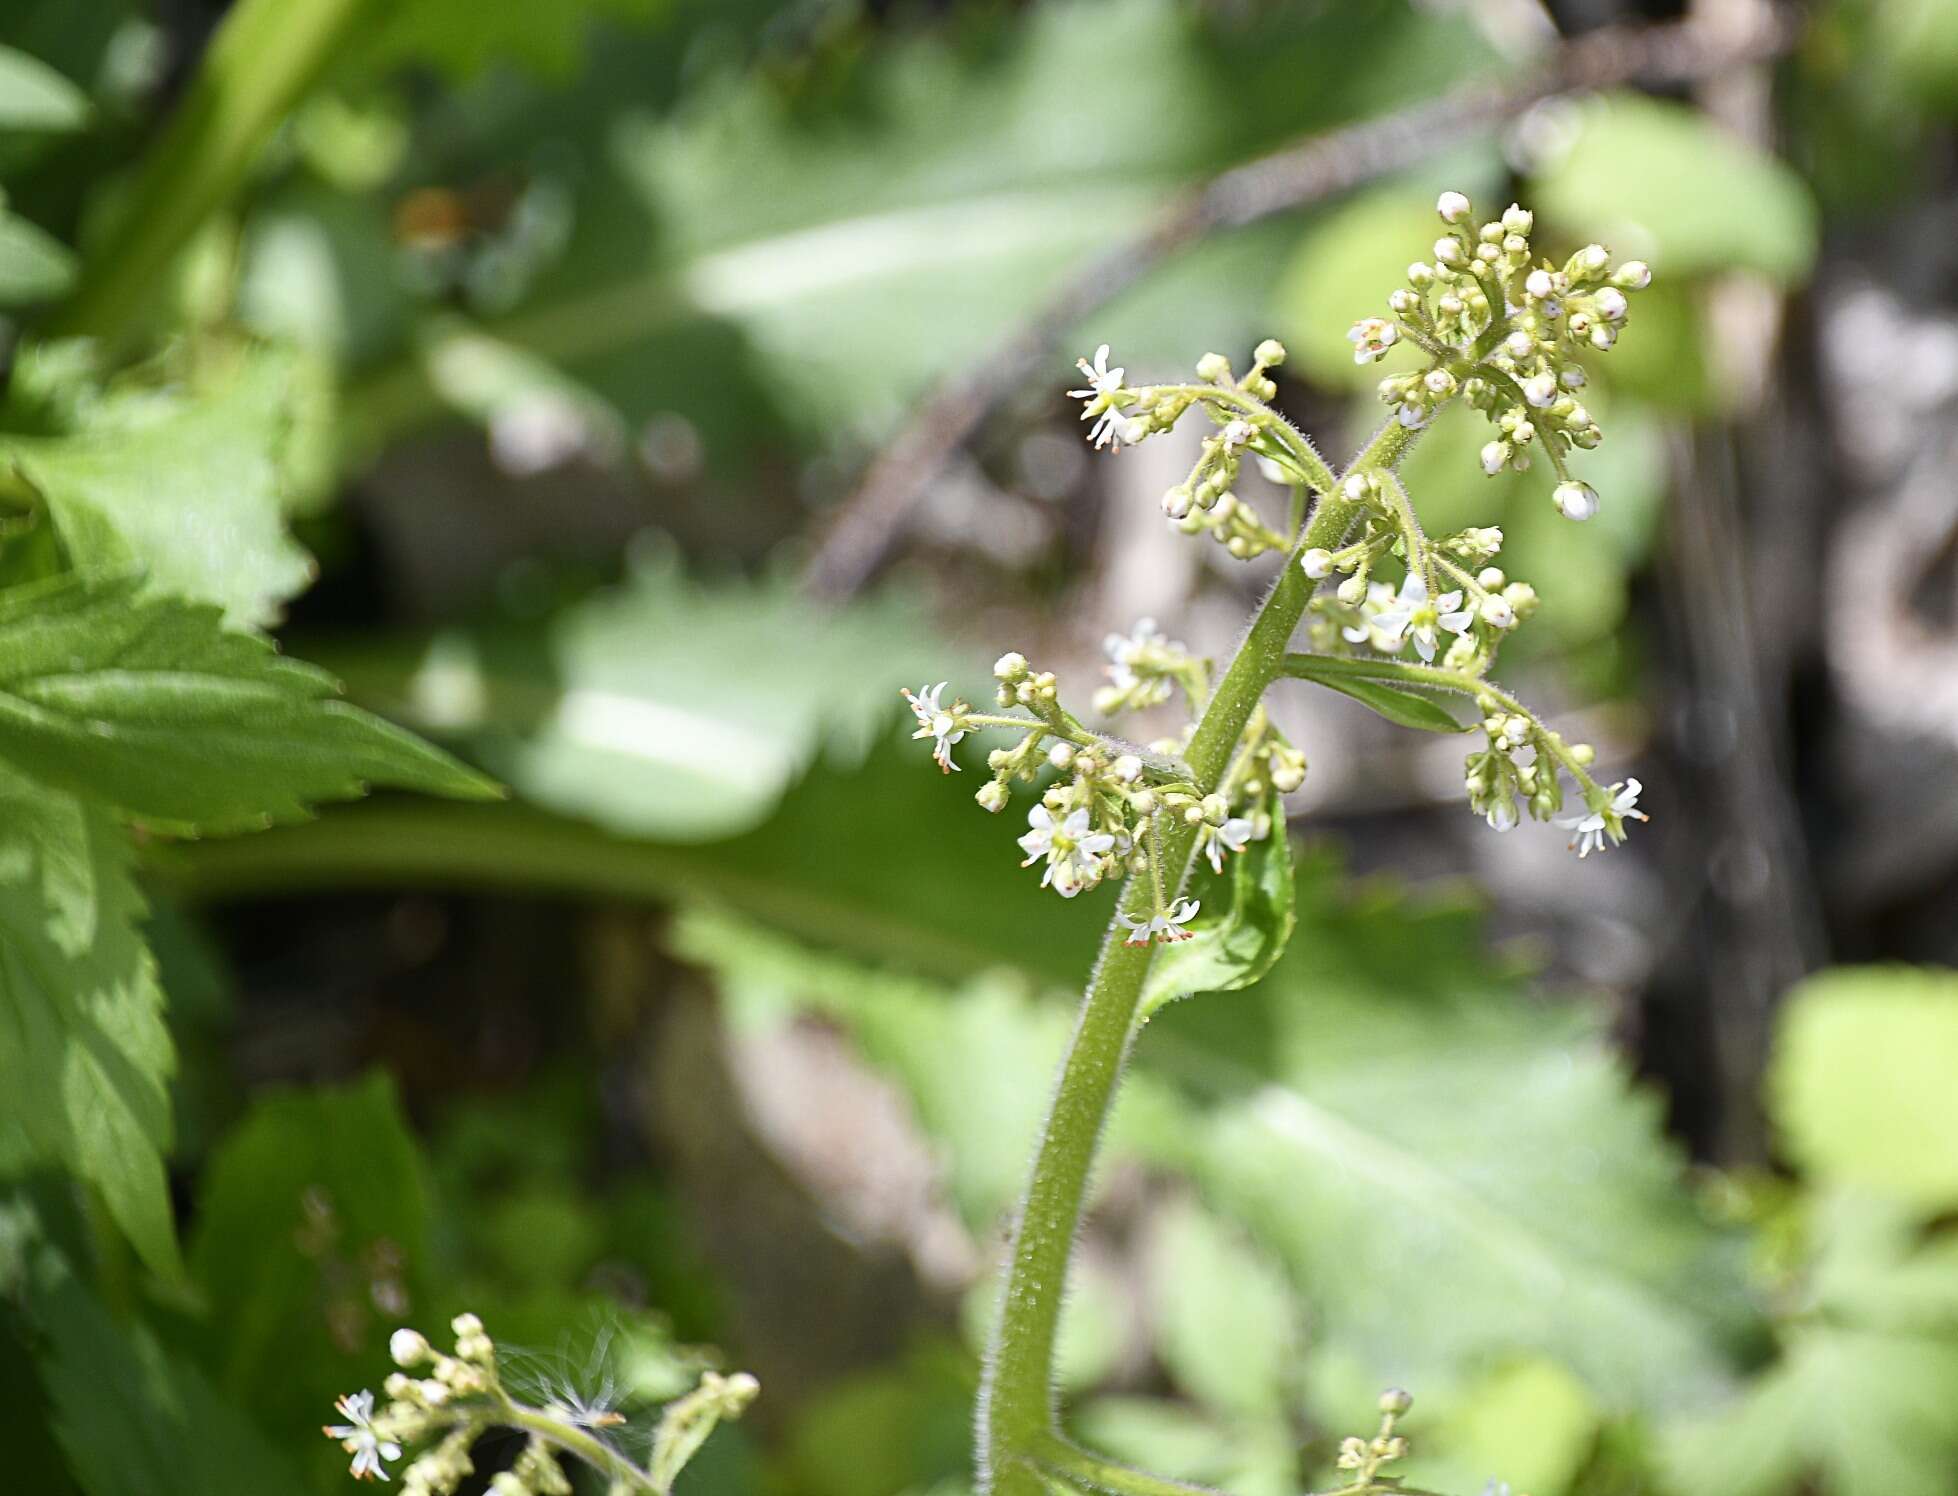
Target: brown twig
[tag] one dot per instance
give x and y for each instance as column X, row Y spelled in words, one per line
column 868, row 523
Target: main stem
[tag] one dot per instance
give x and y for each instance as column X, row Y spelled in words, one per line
column 1017, row 1415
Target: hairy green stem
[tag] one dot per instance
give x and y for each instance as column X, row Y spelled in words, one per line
column 1016, row 1407
column 264, row 58
column 568, row 1437
column 1078, row 1469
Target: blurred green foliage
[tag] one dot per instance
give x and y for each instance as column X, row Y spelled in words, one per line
column 760, row 231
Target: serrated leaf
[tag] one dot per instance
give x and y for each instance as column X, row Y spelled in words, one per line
column 1242, row 934
column 1402, row 707
column 1898, row 1139
column 86, row 1061
column 133, row 1419
column 192, row 490
column 663, row 708
column 310, row 1244
column 34, row 265
column 148, row 705
column 34, row 97
column 1663, row 182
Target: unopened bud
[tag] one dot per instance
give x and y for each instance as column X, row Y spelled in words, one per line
column 1452, row 206
column 992, row 796
column 1574, row 500
column 1317, row 563
column 1011, row 666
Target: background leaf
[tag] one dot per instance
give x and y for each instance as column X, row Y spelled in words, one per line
column 1899, row 1139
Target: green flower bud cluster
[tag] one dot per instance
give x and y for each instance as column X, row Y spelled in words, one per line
column 1363, row 1458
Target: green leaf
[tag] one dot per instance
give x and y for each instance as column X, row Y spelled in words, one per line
column 1864, row 1400
column 461, row 39
column 149, row 706
column 134, row 1420
column 1449, row 1170
column 1663, row 182
column 85, row 1067
column 1223, row 1315
column 1404, row 708
column 1836, row 1032
column 34, row 265
column 310, row 1243
column 34, row 97
column 1235, row 944
column 192, row 489
column 663, row 708
column 903, row 202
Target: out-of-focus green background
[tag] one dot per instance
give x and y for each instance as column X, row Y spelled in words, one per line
column 528, row 378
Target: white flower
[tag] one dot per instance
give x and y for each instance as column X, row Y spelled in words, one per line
column 1104, row 397
column 1372, row 337
column 1167, row 925
column 1414, row 615
column 1069, row 847
column 1104, row 383
column 1414, row 417
column 1378, row 596
column 935, row 723
column 1124, row 650
column 358, row 1438
column 1598, row 829
column 1452, row 206
column 1574, row 500
column 1214, row 841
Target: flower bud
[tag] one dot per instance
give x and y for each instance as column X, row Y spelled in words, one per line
column 1010, row 666
column 1270, row 353
column 1610, row 303
column 1176, row 502
column 1497, row 612
column 1495, row 456
column 1490, row 577
column 1448, row 250
column 1452, row 206
column 1590, row 260
column 1633, row 275
column 1574, row 500
column 1517, row 219
column 1393, row 1401
column 1213, row 368
column 1420, row 276
column 1127, row 768
column 466, row 1324
column 407, row 1347
column 1519, row 344
column 1353, row 590
column 1538, row 284
column 1317, row 563
column 1061, row 755
column 1540, row 390
column 992, row 796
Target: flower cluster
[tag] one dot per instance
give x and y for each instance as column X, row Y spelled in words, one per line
column 1363, row 1458
column 1106, row 801
column 1502, row 330
column 1506, row 331
column 446, row 1402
